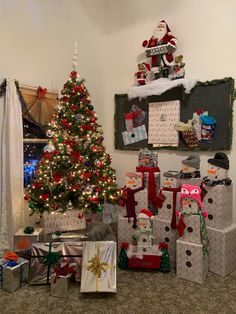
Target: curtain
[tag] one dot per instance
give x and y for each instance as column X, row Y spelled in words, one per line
column 11, row 167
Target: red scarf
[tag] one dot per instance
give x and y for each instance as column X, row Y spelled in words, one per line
column 152, row 194
column 174, row 191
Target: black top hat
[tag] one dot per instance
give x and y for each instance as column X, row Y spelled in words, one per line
column 220, row 160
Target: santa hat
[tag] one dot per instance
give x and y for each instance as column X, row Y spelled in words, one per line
column 220, row 160
column 148, row 67
column 193, row 192
column 144, row 213
column 167, row 27
column 134, row 174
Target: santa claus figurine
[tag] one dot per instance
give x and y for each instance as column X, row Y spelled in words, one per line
column 160, row 48
column 143, row 71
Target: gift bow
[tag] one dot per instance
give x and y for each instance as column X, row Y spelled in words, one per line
column 41, row 92
column 97, row 266
column 62, row 271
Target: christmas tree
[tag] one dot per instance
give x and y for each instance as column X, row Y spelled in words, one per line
column 165, row 262
column 75, row 171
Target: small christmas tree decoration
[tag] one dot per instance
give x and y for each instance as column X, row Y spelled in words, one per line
column 190, row 167
column 165, row 260
column 123, row 261
column 74, row 157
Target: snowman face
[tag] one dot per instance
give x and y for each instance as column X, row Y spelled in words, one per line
column 133, row 182
column 188, row 169
column 144, row 223
column 170, row 182
column 216, row 173
column 189, row 205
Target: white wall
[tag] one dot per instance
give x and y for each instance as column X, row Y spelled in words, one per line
column 37, row 39
column 205, row 31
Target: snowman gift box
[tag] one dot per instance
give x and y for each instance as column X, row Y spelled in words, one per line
column 190, row 172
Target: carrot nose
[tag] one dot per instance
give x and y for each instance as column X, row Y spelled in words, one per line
column 131, row 182
column 211, row 171
column 167, row 183
column 185, row 167
column 186, row 202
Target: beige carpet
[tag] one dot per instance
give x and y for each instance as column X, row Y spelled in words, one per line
column 137, row 292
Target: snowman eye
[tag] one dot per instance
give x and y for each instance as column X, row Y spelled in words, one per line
column 184, row 191
column 195, row 191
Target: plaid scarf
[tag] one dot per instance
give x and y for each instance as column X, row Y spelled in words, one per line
column 210, row 182
column 194, row 174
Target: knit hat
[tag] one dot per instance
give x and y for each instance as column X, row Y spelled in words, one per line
column 172, row 174
column 192, row 161
column 220, row 160
column 144, row 213
column 191, row 191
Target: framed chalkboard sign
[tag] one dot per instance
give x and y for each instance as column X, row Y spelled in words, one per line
column 202, row 119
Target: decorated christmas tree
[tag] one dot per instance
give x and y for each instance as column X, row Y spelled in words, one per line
column 75, row 171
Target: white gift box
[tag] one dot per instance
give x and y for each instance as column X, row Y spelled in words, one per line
column 218, row 203
column 190, row 263
column 166, row 211
column 141, row 197
column 222, row 253
column 162, row 232
column 67, row 221
column 14, row 277
column 99, row 267
column 192, row 231
column 23, row 241
column 125, row 230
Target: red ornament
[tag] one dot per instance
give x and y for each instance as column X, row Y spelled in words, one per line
column 85, row 100
column 65, row 99
column 78, row 88
column 57, row 177
column 55, row 206
column 26, row 197
column 94, row 199
column 36, row 185
column 65, row 123
column 73, row 74
column 75, row 155
column 87, row 175
column 45, row 196
column 100, row 164
column 98, row 189
column 93, row 149
column 73, row 107
column 56, row 152
column 47, row 155
column 90, row 112
column 80, row 215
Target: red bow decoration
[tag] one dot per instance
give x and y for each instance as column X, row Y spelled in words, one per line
column 62, row 271
column 41, row 92
column 73, row 74
column 57, row 177
column 163, row 245
column 45, row 196
column 199, row 112
column 78, row 89
column 124, row 245
column 47, row 155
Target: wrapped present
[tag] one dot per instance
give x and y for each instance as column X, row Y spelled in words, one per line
column 218, row 202
column 192, row 231
column 99, row 267
column 147, row 158
column 68, row 221
column 125, row 230
column 139, row 134
column 23, row 241
column 190, row 263
column 59, row 280
column 45, row 255
column 162, row 232
column 167, row 210
column 222, row 253
column 13, row 273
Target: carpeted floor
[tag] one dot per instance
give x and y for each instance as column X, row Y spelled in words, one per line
column 137, row 292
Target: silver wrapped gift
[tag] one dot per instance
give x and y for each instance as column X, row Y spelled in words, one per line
column 59, row 286
column 69, row 252
column 13, row 278
column 23, row 241
column 99, row 267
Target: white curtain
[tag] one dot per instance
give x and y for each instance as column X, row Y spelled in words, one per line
column 11, row 167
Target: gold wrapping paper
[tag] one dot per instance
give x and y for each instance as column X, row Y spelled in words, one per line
column 14, row 277
column 99, row 267
column 69, row 252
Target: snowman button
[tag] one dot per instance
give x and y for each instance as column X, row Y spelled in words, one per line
column 144, row 240
column 190, row 229
column 210, row 200
column 188, row 264
column 188, row 252
column 144, row 249
column 167, row 240
column 168, row 206
column 167, row 228
column 210, row 217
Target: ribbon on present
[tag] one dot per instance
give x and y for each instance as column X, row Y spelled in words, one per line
column 62, row 271
column 11, row 260
column 51, row 258
column 152, row 195
column 96, row 266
